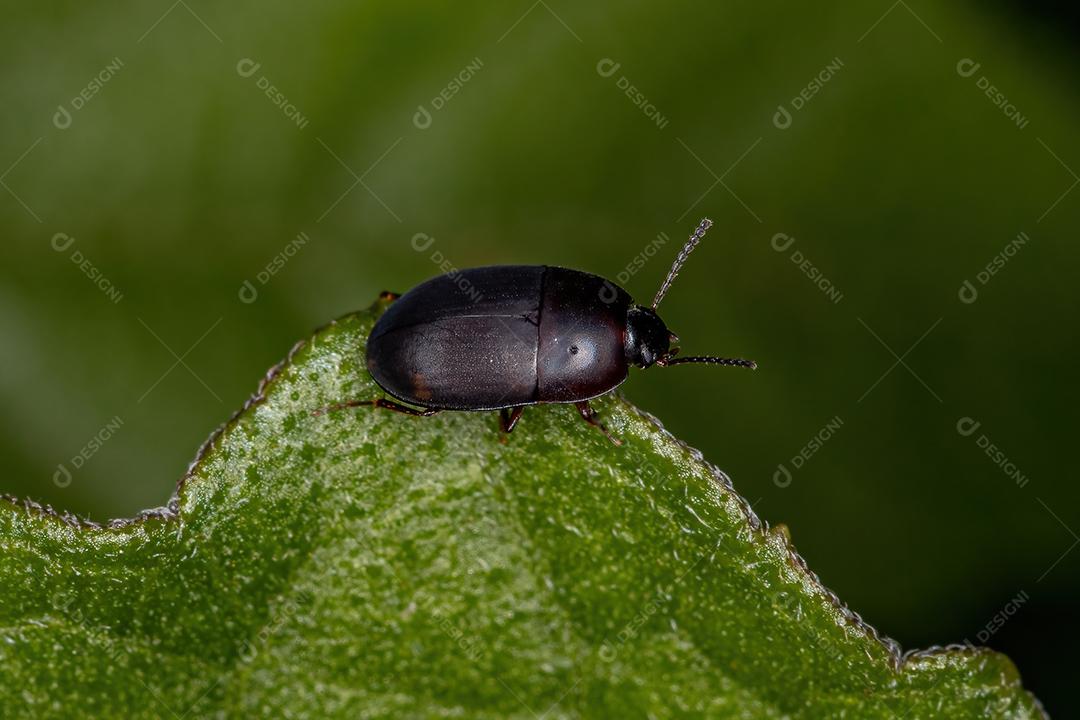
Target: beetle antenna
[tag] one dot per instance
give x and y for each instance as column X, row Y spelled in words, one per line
column 731, row 362
column 688, row 248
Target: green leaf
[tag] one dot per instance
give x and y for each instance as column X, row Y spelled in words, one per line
column 369, row 564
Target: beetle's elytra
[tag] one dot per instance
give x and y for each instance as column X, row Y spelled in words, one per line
column 506, row 336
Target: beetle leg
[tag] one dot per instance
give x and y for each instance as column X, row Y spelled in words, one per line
column 589, row 416
column 378, row 403
column 508, row 418
column 388, row 295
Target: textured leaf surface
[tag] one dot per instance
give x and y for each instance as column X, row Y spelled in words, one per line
column 368, row 564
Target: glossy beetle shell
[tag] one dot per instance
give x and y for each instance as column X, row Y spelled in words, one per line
column 502, row 336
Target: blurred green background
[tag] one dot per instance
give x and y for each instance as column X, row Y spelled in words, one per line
column 196, row 140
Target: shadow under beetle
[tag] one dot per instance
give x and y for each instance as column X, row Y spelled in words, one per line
column 506, row 336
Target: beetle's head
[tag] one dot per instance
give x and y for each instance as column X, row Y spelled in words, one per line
column 647, row 337
column 648, row 341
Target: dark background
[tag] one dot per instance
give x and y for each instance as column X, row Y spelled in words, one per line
column 180, row 179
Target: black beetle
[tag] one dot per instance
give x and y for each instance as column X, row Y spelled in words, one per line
column 506, row 336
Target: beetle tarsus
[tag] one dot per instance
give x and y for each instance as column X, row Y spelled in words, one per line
column 589, row 416
column 508, row 418
column 378, row 403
